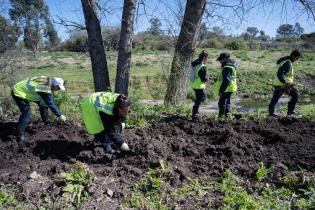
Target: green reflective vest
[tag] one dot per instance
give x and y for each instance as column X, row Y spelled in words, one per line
column 197, row 83
column 92, row 105
column 232, row 87
column 288, row 76
column 28, row 89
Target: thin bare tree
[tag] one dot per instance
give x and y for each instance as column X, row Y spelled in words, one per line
column 125, row 46
column 96, row 47
column 185, row 47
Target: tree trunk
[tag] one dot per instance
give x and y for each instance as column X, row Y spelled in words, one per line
column 96, row 47
column 184, row 50
column 125, row 46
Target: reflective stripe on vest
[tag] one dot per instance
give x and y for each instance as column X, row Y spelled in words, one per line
column 232, row 87
column 92, row 105
column 198, row 84
column 288, row 76
column 105, row 107
column 27, row 89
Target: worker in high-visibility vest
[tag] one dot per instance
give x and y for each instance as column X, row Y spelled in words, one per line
column 226, row 83
column 101, row 111
column 284, row 83
column 38, row 90
column 197, row 81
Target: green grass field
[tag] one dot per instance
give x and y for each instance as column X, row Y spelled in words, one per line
column 150, row 69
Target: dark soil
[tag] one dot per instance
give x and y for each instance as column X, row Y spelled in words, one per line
column 192, row 149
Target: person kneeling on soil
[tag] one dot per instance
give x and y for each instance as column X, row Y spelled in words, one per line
column 198, row 78
column 283, row 83
column 101, row 111
column 38, row 90
column 226, row 83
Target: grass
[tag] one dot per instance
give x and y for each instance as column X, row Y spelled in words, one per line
column 153, row 191
column 149, row 70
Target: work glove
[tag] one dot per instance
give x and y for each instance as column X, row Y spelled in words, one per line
column 63, row 118
column 123, row 125
column 124, row 147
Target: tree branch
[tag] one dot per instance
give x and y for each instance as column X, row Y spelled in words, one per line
column 68, row 23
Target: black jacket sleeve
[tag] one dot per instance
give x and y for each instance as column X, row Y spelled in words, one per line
column 282, row 71
column 49, row 100
column 226, row 79
column 203, row 74
column 109, row 128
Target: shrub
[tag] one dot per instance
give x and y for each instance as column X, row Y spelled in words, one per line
column 236, row 45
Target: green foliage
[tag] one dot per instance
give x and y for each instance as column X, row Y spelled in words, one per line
column 262, row 172
column 307, row 111
column 77, row 183
column 194, row 188
column 236, row 45
column 7, row 198
column 142, row 114
column 148, row 193
column 8, row 35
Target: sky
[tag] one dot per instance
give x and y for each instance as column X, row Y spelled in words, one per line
column 265, row 17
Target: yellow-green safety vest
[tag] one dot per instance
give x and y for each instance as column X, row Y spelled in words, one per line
column 288, row 76
column 232, row 87
column 197, row 83
column 28, row 89
column 92, row 105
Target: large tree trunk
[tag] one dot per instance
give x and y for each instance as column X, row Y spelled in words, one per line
column 125, row 46
column 96, row 47
column 184, row 50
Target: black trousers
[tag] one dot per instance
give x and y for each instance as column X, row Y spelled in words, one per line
column 200, row 97
column 225, row 104
column 278, row 92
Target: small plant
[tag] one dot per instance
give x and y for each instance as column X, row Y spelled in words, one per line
column 147, row 193
column 262, row 172
column 77, row 183
column 7, row 198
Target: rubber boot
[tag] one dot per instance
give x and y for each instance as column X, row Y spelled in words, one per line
column 21, row 142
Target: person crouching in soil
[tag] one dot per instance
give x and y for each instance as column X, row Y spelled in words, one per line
column 38, row 90
column 101, row 111
column 226, row 83
column 198, row 79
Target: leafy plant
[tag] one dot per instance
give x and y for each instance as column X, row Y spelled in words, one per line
column 7, row 198
column 262, row 171
column 147, row 193
column 77, row 183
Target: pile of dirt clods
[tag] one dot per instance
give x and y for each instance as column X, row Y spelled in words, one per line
column 192, row 149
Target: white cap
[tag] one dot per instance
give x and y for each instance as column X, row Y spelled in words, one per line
column 59, row 82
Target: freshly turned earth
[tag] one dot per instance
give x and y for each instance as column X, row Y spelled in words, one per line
column 192, row 149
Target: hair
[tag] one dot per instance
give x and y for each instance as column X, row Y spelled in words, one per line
column 202, row 55
column 295, row 53
column 123, row 101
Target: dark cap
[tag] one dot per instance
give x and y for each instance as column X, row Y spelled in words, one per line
column 223, row 56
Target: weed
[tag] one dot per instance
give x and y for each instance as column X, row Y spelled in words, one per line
column 148, row 192
column 7, row 198
column 262, row 172
column 77, row 183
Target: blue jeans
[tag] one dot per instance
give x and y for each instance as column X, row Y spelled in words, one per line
column 106, row 138
column 26, row 115
column 224, row 104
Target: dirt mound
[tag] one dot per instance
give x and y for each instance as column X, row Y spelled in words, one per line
column 191, row 149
